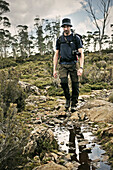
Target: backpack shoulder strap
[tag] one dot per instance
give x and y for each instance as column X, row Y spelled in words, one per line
column 60, row 39
column 75, row 38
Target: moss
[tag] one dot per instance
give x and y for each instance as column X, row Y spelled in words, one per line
column 41, row 82
column 54, row 91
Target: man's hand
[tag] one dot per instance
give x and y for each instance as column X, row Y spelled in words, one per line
column 80, row 71
column 55, row 74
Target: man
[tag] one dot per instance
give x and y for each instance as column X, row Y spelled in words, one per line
column 65, row 48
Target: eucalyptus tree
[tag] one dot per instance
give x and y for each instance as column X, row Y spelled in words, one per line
column 23, row 40
column 5, row 37
column 39, row 35
column 4, row 7
column 52, row 31
column 14, row 46
column 4, row 33
column 103, row 7
column 111, row 42
column 87, row 40
column 95, row 39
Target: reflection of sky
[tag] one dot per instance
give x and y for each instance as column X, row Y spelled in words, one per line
column 96, row 152
column 62, row 135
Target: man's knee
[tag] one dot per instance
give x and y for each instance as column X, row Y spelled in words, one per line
column 75, row 84
column 64, row 80
column 75, row 88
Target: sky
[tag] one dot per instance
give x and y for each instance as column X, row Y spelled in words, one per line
column 23, row 12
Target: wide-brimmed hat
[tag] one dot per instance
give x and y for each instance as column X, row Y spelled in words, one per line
column 66, row 21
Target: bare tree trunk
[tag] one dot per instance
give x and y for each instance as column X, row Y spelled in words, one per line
column 105, row 10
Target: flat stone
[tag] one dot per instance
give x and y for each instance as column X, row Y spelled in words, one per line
column 51, row 166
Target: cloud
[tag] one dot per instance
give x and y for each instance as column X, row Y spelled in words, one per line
column 24, row 11
column 85, row 26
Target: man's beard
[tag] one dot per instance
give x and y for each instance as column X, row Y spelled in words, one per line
column 66, row 32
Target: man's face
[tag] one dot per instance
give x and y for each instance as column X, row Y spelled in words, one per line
column 66, row 29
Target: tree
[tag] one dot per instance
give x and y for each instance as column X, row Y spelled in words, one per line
column 4, row 7
column 39, row 33
column 111, row 42
column 104, row 8
column 4, row 42
column 4, row 34
column 23, row 38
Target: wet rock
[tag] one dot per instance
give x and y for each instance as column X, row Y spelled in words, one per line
column 68, row 157
column 105, row 158
column 83, row 143
column 69, row 165
column 62, row 143
column 88, row 150
column 51, row 166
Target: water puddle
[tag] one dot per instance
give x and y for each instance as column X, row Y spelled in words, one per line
column 79, row 141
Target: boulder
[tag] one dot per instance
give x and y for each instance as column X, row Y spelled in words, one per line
column 29, row 88
column 51, row 166
column 35, row 138
column 98, row 110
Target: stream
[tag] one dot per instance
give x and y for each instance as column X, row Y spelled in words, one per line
column 78, row 140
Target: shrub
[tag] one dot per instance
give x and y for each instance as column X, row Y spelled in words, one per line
column 10, row 90
column 101, row 63
column 7, row 62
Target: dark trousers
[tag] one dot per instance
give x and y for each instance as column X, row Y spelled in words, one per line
column 71, row 70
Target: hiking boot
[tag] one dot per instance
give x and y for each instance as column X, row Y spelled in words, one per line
column 67, row 105
column 73, row 108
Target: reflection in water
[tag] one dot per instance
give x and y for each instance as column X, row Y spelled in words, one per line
column 80, row 155
column 79, row 152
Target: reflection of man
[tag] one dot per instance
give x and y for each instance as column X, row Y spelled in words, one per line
column 65, row 48
column 83, row 156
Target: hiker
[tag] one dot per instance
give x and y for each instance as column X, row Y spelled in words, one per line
column 68, row 48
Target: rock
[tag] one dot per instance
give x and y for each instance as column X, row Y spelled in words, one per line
column 43, row 98
column 82, row 115
column 88, row 150
column 69, row 165
column 35, row 138
column 99, row 110
column 37, row 159
column 105, row 158
column 29, row 88
column 83, row 143
column 54, row 155
column 84, row 97
column 62, row 143
column 51, row 166
column 68, row 157
column 56, row 121
column 74, row 116
column 108, row 131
